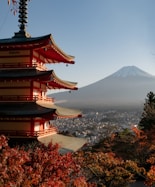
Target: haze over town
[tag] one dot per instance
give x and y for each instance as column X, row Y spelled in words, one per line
column 109, row 105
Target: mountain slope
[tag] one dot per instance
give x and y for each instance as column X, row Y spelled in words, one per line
column 126, row 87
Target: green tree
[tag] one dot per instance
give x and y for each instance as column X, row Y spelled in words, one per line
column 147, row 121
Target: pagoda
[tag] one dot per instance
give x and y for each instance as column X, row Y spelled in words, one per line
column 25, row 109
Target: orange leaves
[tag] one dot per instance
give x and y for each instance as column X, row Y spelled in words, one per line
column 150, row 177
column 81, row 182
column 139, row 133
column 43, row 166
column 106, row 168
column 151, row 160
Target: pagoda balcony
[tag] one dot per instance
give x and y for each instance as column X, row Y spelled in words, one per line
column 28, row 98
column 22, row 65
column 28, row 134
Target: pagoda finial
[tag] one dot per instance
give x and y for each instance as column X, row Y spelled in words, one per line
column 22, row 15
column 22, row 19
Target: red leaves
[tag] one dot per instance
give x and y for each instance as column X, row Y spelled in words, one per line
column 12, row 1
column 14, row 4
column 43, row 166
column 139, row 133
column 3, row 142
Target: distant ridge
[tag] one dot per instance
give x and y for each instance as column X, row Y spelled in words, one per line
column 126, row 87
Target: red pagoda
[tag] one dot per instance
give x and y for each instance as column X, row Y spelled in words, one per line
column 25, row 110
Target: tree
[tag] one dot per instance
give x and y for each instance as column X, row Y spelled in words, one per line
column 107, row 169
column 41, row 166
column 147, row 121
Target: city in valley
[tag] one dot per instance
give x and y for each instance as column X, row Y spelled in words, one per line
column 95, row 125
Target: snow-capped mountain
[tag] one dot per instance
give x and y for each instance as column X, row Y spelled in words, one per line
column 130, row 71
column 128, row 86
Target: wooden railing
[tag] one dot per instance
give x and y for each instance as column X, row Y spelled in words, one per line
column 24, row 98
column 28, row 134
column 22, row 65
column 17, row 98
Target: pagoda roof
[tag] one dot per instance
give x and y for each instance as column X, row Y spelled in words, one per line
column 66, row 143
column 49, row 77
column 23, row 73
column 36, row 109
column 24, row 109
column 61, row 112
column 44, row 45
column 57, row 83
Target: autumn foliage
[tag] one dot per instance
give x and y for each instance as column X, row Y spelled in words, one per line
column 41, row 167
column 12, row 1
column 120, row 159
column 14, row 5
column 108, row 170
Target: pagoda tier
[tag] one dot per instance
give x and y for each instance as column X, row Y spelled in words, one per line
column 42, row 49
column 48, row 77
column 24, row 74
column 25, row 109
column 25, row 119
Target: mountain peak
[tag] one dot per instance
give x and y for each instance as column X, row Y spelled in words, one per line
column 127, row 87
column 131, row 71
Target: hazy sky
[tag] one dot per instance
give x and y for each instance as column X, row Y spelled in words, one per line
column 103, row 35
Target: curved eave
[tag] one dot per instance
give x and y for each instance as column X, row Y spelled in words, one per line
column 30, row 73
column 54, row 54
column 61, row 112
column 25, row 109
column 57, row 83
column 45, row 45
column 24, row 43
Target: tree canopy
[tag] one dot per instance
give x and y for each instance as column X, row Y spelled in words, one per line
column 148, row 117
